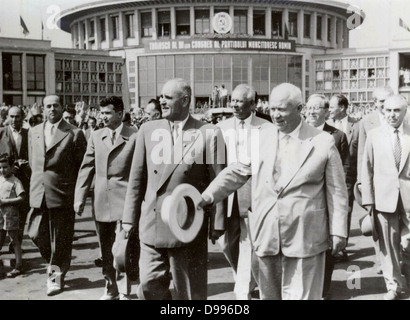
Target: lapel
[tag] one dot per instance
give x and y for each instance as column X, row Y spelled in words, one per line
column 179, row 150
column 304, row 149
column 61, row 132
column 9, row 134
column 123, row 137
column 38, row 134
column 106, row 139
column 384, row 141
column 406, row 146
column 349, row 131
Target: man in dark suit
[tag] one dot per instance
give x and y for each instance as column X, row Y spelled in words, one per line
column 187, row 153
column 317, row 111
column 108, row 159
column 56, row 150
column 14, row 141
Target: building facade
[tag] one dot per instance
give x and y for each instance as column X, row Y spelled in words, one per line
column 210, row 43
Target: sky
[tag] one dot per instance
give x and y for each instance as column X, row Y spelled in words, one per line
column 377, row 30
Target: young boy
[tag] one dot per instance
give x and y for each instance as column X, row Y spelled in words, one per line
column 11, row 195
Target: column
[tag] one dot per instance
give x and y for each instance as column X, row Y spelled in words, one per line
column 122, row 29
column 324, row 29
column 86, row 32
column 137, row 26
column 333, row 32
column 313, row 26
column 250, row 21
column 80, row 35
column 1, row 77
column 211, row 16
column 268, row 23
column 339, row 33
column 97, row 34
column 49, row 68
column 232, row 14
column 301, row 26
column 108, row 31
column 24, row 77
column 345, row 36
column 192, row 19
column 154, row 24
column 173, row 22
column 285, row 21
column 73, row 36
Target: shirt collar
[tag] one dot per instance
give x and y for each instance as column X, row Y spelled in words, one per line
column 180, row 124
column 56, row 125
column 294, row 134
column 247, row 121
column 400, row 128
column 117, row 131
column 14, row 130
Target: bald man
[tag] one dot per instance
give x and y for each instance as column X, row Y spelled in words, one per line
column 14, row 141
column 386, row 193
column 299, row 200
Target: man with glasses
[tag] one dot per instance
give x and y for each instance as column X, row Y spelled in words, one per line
column 372, row 121
column 317, row 110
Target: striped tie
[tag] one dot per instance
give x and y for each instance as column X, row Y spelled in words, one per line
column 397, row 150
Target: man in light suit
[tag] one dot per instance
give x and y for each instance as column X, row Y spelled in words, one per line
column 169, row 152
column 108, row 159
column 317, row 110
column 56, row 149
column 14, row 141
column 235, row 243
column 386, row 193
column 299, row 200
column 372, row 121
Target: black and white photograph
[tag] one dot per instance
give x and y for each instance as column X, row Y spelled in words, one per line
column 213, row 150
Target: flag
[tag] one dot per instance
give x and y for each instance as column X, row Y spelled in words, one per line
column 42, row 30
column 403, row 25
column 23, row 25
column 286, row 31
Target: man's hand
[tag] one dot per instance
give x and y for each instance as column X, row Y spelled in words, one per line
column 127, row 227
column 370, row 208
column 79, row 208
column 215, row 235
column 337, row 244
column 359, row 186
column 206, row 201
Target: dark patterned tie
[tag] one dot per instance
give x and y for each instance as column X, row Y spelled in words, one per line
column 113, row 138
column 397, row 150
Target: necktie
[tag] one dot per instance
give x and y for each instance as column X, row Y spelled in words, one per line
column 49, row 136
column 397, row 149
column 281, row 154
column 175, row 132
column 113, row 138
column 17, row 140
column 240, row 140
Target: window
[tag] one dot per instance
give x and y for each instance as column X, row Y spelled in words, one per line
column 260, row 74
column 146, row 24
column 83, row 29
column 218, row 10
column 147, row 72
column 183, row 22
column 306, row 28
column 241, row 21
column 129, row 20
column 240, row 69
column 276, row 23
column 103, row 30
column 293, row 24
column 259, row 22
column 329, row 29
column 12, row 71
column 35, row 73
column 202, row 22
column 183, row 67
column 319, row 28
column 203, row 74
column 164, row 24
column 115, row 27
column 165, row 71
column 223, row 74
column 91, row 32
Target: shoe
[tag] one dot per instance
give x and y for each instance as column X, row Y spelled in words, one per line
column 14, row 273
column 125, row 297
column 341, row 257
column 109, row 296
column 391, row 295
column 53, row 289
column 98, row 263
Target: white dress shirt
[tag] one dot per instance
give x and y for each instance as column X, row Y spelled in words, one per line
column 49, row 131
column 17, row 138
column 243, row 139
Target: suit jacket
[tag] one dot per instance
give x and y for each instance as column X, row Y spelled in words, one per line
column 382, row 183
column 159, row 167
column 296, row 215
column 110, row 165
column 8, row 145
column 230, row 136
column 368, row 123
column 55, row 169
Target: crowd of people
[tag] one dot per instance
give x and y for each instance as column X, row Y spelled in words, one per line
column 278, row 180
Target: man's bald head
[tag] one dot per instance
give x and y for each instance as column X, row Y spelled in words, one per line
column 395, row 109
column 380, row 95
column 15, row 118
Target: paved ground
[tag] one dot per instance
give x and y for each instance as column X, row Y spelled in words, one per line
column 84, row 280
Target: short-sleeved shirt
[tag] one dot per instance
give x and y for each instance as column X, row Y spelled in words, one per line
column 10, row 188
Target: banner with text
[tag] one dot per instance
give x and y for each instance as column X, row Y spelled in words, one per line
column 193, row 45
